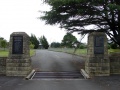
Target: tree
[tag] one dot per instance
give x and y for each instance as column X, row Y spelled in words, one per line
column 68, row 40
column 55, row 44
column 44, row 42
column 75, row 15
column 3, row 43
column 34, row 41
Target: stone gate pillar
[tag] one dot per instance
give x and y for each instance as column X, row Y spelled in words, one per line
column 97, row 61
column 18, row 62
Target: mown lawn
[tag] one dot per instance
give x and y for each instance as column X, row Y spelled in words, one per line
column 113, row 50
column 4, row 53
column 79, row 51
column 70, row 50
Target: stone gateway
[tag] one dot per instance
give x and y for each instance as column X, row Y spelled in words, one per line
column 19, row 61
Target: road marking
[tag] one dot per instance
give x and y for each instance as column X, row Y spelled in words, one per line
column 33, row 76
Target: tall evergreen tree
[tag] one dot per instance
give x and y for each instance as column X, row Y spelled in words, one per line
column 34, row 41
column 3, row 43
column 44, row 42
column 75, row 15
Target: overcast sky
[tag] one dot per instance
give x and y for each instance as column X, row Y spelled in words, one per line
column 21, row 16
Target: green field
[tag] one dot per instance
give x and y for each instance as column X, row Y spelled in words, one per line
column 79, row 51
column 4, row 53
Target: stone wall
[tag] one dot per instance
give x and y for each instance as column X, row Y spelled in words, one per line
column 3, row 65
column 114, row 63
column 97, row 66
column 18, row 67
column 21, row 67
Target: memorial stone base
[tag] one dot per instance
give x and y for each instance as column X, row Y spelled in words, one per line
column 18, row 62
column 97, row 62
column 97, row 66
column 18, row 67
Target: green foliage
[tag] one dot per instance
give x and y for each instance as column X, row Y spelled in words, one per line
column 68, row 40
column 82, row 47
column 34, row 41
column 3, row 43
column 44, row 42
column 32, row 46
column 1, row 39
column 113, row 46
column 55, row 44
column 57, row 2
column 114, row 6
column 75, row 15
column 32, row 52
column 109, row 46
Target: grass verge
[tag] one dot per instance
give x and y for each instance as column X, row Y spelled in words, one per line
column 114, row 50
column 4, row 53
column 79, row 51
column 32, row 52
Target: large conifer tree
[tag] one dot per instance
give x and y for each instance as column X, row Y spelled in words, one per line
column 75, row 15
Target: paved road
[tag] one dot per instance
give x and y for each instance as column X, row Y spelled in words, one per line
column 54, row 61
column 97, row 83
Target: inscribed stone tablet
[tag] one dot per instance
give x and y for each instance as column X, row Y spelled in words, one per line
column 99, row 45
column 17, row 45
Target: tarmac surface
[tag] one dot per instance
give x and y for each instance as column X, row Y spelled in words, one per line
column 43, row 60
column 55, row 61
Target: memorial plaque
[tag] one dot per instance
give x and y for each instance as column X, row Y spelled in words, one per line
column 99, row 45
column 17, row 45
